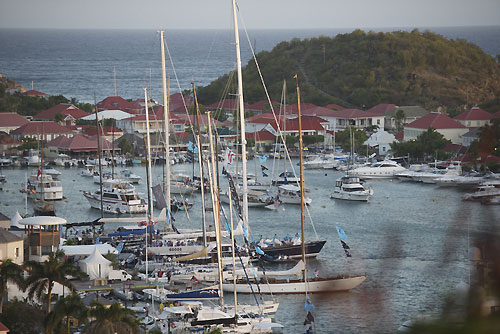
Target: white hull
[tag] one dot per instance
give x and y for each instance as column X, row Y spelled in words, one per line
column 298, row 287
column 49, row 194
column 110, row 206
column 175, row 250
column 362, row 197
column 293, row 199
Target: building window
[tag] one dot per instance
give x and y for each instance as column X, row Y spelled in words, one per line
column 17, row 251
column 46, row 250
column 378, row 122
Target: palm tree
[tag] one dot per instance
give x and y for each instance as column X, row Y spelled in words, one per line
column 43, row 275
column 66, row 307
column 111, row 320
column 9, row 272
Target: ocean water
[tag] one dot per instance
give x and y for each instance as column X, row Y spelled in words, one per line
column 79, row 63
column 411, row 240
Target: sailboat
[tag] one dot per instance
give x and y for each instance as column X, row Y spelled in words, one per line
column 42, row 208
column 303, row 285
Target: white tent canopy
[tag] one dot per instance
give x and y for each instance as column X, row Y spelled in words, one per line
column 86, row 250
column 96, row 266
column 14, row 222
column 108, row 114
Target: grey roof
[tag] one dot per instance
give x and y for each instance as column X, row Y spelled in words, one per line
column 474, row 133
column 410, row 111
column 6, row 236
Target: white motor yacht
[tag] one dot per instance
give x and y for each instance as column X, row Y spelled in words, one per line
column 49, row 170
column 88, row 171
column 351, row 188
column 290, row 194
column 52, row 189
column 319, row 162
column 127, row 175
column 117, row 197
column 379, row 170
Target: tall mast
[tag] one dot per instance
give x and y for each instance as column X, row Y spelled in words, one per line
column 215, row 206
column 242, row 116
column 99, row 154
column 150, row 191
column 166, row 124
column 200, row 161
column 301, row 181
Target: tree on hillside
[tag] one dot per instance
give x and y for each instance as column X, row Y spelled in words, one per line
column 9, row 272
column 43, row 275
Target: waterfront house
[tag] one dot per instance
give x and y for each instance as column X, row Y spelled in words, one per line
column 474, row 118
column 470, row 136
column 10, row 121
column 341, row 119
column 69, row 114
column 449, row 128
column 76, row 145
column 47, row 130
column 119, row 103
column 411, row 113
column 11, row 246
column 381, row 140
column 35, row 93
column 7, row 143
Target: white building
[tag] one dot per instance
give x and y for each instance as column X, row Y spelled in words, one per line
column 381, row 139
column 450, row 129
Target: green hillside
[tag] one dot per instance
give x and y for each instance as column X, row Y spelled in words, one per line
column 364, row 69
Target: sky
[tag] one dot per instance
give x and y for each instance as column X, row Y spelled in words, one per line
column 256, row 14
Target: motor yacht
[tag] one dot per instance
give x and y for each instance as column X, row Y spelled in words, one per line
column 378, row 170
column 290, row 194
column 352, row 189
column 117, row 197
column 52, row 189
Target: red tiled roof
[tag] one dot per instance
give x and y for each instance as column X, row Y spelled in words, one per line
column 334, row 106
column 117, row 103
column 10, row 119
column 228, row 104
column 309, row 123
column 176, row 100
column 262, row 135
column 63, row 109
column 6, row 139
column 483, row 158
column 261, row 105
column 185, row 119
column 33, row 92
column 474, row 114
column 400, row 135
column 41, row 128
column 265, row 118
column 352, row 113
column 436, row 121
column 79, row 143
column 292, row 108
column 382, row 108
column 454, row 148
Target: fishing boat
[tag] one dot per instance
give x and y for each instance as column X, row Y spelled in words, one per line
column 352, row 189
column 117, row 197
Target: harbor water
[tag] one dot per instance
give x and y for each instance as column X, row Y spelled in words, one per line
column 410, row 239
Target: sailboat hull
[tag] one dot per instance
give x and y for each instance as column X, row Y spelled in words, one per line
column 312, row 249
column 298, row 286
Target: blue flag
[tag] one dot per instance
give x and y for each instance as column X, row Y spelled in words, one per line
column 257, row 248
column 97, row 240
column 262, row 159
column 190, row 146
column 308, row 305
column 119, row 248
column 341, row 233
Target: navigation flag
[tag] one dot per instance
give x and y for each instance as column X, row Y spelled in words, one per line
column 346, row 247
column 97, row 240
column 308, row 305
column 262, row 158
column 341, row 233
column 264, row 174
column 119, row 248
column 264, row 167
column 229, row 156
column 38, row 174
column 190, row 146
